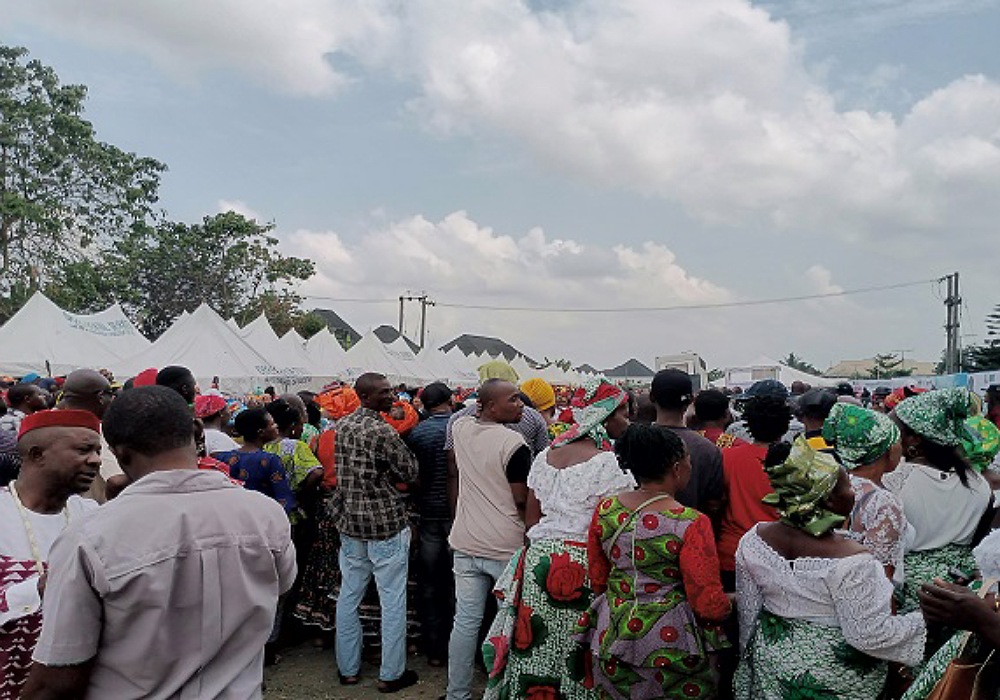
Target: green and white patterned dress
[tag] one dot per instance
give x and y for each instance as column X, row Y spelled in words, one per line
column 817, row 628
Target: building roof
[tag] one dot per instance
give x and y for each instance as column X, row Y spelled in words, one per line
column 588, row 369
column 388, row 334
column 338, row 326
column 864, row 368
column 631, row 368
column 478, row 344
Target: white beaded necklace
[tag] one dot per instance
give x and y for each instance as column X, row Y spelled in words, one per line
column 30, row 531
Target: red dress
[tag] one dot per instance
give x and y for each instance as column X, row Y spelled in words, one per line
column 746, row 483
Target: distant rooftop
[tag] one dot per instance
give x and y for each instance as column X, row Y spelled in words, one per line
column 477, row 344
column 338, row 326
column 388, row 334
column 631, row 368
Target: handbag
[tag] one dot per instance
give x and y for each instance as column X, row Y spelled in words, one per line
column 970, row 675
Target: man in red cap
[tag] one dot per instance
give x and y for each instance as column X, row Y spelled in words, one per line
column 60, row 457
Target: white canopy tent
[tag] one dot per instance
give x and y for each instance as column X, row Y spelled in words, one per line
column 290, row 357
column 326, row 353
column 208, row 346
column 43, row 338
column 395, row 361
column 444, row 370
column 766, row 368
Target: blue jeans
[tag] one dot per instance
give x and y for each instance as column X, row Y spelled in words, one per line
column 474, row 579
column 388, row 560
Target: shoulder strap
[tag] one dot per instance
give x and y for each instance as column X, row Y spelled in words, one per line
column 635, row 512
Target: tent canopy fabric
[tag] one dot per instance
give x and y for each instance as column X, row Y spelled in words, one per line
column 43, row 338
column 208, row 346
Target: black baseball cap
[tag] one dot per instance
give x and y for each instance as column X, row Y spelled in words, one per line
column 817, row 403
column 767, row 387
column 671, row 387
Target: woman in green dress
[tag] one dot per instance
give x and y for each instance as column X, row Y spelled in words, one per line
column 815, row 607
column 947, row 502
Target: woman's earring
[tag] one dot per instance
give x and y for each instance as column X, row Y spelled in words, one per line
column 912, row 451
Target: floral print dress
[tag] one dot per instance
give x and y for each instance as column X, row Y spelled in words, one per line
column 651, row 632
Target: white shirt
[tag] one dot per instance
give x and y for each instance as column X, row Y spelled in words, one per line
column 569, row 496
column 941, row 509
column 851, row 593
column 22, row 598
column 218, row 441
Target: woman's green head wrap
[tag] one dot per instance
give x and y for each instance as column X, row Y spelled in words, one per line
column 938, row 415
column 981, row 443
column 802, row 484
column 858, row 435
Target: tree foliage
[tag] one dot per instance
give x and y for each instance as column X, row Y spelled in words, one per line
column 227, row 261
column 796, row 362
column 986, row 356
column 888, row 365
column 61, row 189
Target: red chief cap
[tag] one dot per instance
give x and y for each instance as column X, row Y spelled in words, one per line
column 208, row 405
column 146, row 377
column 58, row 417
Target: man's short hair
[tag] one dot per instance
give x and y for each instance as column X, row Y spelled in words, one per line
column 365, row 384
column 150, row 420
column 671, row 389
column 173, row 375
column 19, row 393
column 434, row 395
column 711, row 405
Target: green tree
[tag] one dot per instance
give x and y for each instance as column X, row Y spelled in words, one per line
column 61, row 189
column 987, row 355
column 888, row 365
column 796, row 362
column 227, row 261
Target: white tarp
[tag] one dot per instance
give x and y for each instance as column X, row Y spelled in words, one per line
column 43, row 338
column 208, row 346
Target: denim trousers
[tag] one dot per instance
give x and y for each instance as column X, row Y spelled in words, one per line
column 436, row 584
column 388, row 561
column 474, row 579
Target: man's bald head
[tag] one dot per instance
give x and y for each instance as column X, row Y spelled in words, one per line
column 86, row 390
column 500, row 402
column 85, row 381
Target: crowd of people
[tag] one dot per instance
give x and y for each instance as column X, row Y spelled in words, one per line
column 159, row 541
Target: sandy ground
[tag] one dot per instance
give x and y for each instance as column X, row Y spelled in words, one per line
column 308, row 673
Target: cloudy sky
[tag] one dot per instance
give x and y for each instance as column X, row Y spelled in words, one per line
column 587, row 154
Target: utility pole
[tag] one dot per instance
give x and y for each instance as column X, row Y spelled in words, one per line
column 425, row 301
column 952, row 326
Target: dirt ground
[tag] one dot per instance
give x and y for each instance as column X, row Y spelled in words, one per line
column 308, row 673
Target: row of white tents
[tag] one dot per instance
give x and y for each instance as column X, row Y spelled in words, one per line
column 45, row 339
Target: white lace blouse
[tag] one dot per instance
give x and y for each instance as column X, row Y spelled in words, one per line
column 851, row 593
column 569, row 496
column 878, row 523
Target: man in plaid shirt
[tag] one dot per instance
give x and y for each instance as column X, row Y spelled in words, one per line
column 374, row 467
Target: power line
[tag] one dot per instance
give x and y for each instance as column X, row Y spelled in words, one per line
column 679, row 307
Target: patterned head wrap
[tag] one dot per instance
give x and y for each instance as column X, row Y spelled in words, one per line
column 859, row 436
column 801, row 484
column 938, row 415
column 981, row 443
column 591, row 405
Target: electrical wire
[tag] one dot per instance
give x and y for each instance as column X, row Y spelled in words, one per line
column 638, row 309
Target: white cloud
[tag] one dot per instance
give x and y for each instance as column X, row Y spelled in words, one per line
column 240, row 207
column 705, row 103
column 459, row 261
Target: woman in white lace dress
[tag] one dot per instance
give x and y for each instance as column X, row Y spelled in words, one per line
column 815, row 607
column 867, row 444
column 529, row 649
